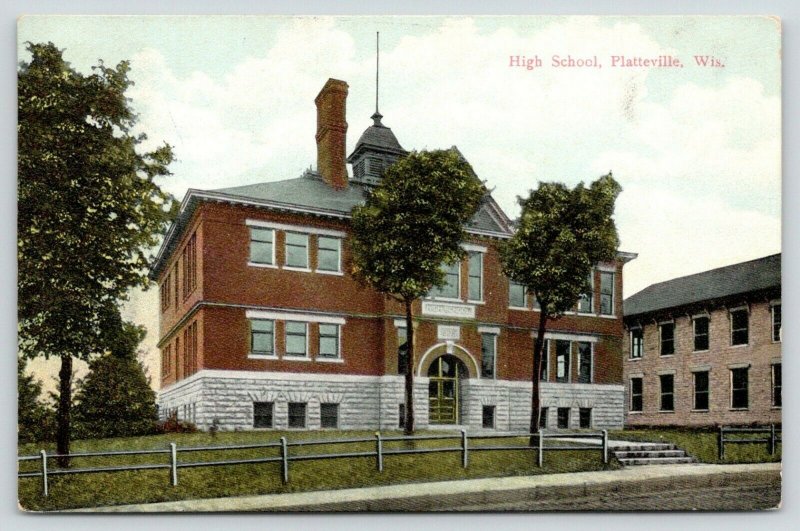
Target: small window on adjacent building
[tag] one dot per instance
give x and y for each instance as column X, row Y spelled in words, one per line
column 776, row 322
column 636, row 394
column 637, row 342
column 475, row 276
column 262, row 337
column 297, row 414
column 329, row 415
column 516, row 295
column 329, row 253
column 739, row 326
column 262, row 250
column 776, row 385
column 700, row 333
column 488, row 417
column 545, row 358
column 666, row 332
column 739, row 398
column 296, row 250
column 402, row 351
column 563, row 418
column 584, row 362
column 701, row 391
column 488, row 355
column 328, row 341
column 667, row 392
column 585, row 417
column 562, row 360
column 586, row 302
column 606, row 293
column 543, row 418
column 452, row 276
column 402, row 416
column 262, row 414
column 296, row 334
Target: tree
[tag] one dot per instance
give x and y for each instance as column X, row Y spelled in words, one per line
column 560, row 235
column 34, row 418
column 411, row 224
column 115, row 399
column 88, row 211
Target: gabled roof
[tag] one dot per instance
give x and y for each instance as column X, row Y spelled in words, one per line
column 721, row 283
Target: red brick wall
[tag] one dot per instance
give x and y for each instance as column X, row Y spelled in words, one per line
column 760, row 353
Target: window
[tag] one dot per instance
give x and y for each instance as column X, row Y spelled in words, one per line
column 296, row 334
column 776, row 385
column 666, row 332
column 637, row 342
column 488, row 417
column 701, row 391
column 262, row 414
column 262, row 337
column 636, row 394
column 262, row 246
column 606, row 293
column 475, row 276
column 545, row 358
column 165, row 291
column 329, row 254
column 739, row 398
column 739, row 326
column 329, row 415
column 297, row 414
column 667, row 392
column 516, row 295
column 488, row 355
column 700, row 333
column 177, row 354
column 166, row 358
column 563, row 418
column 586, row 302
column 776, row 322
column 175, row 283
column 585, row 417
column 543, row 418
column 402, row 416
column 452, row 277
column 328, row 341
column 402, row 351
column 562, row 360
column 584, row 362
column 190, row 266
column 296, row 250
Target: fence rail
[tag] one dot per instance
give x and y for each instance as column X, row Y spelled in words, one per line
column 772, row 439
column 379, row 452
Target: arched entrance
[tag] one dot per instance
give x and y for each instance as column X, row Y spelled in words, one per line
column 444, row 390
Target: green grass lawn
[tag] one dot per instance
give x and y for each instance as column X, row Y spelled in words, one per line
column 702, row 444
column 98, row 489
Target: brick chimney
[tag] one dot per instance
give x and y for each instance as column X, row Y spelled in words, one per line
column 332, row 133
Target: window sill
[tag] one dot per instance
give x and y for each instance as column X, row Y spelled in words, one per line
column 700, row 410
column 635, row 359
column 329, row 360
column 479, row 303
column 326, row 272
column 607, row 316
column 778, row 408
column 635, row 412
column 739, row 409
column 254, row 356
column 669, row 411
column 700, row 351
column 443, row 299
column 666, row 355
column 301, row 269
column 520, row 308
column 743, row 345
column 266, row 266
column 295, row 358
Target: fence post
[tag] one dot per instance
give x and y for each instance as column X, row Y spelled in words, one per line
column 771, row 444
column 173, row 469
column 721, row 443
column 464, row 450
column 379, row 451
column 605, row 447
column 541, row 448
column 45, row 490
column 285, row 459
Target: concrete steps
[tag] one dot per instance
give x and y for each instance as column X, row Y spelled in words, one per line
column 651, row 454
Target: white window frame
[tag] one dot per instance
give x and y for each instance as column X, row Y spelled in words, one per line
column 630, row 387
column 329, row 359
column 731, row 311
column 524, row 296
column 470, row 276
column 630, row 343
column 591, row 360
column 286, row 265
column 458, row 286
column 694, row 389
column 772, row 306
column 732, row 368
column 568, row 362
column 258, row 354
column 493, row 335
column 694, row 331
column 661, row 338
column 661, row 392
column 272, row 264
column 338, row 270
column 613, row 294
column 286, row 354
column 591, row 298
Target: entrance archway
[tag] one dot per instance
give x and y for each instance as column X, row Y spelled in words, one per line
column 444, row 389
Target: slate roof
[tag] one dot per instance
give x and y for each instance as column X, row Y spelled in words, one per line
column 721, row 283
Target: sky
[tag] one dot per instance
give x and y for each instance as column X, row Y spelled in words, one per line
column 696, row 149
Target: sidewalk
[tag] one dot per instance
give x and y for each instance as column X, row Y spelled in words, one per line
column 438, row 495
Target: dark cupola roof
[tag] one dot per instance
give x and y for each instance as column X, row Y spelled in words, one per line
column 375, row 151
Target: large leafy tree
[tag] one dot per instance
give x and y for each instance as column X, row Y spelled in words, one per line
column 89, row 210
column 115, row 399
column 410, row 225
column 560, row 235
